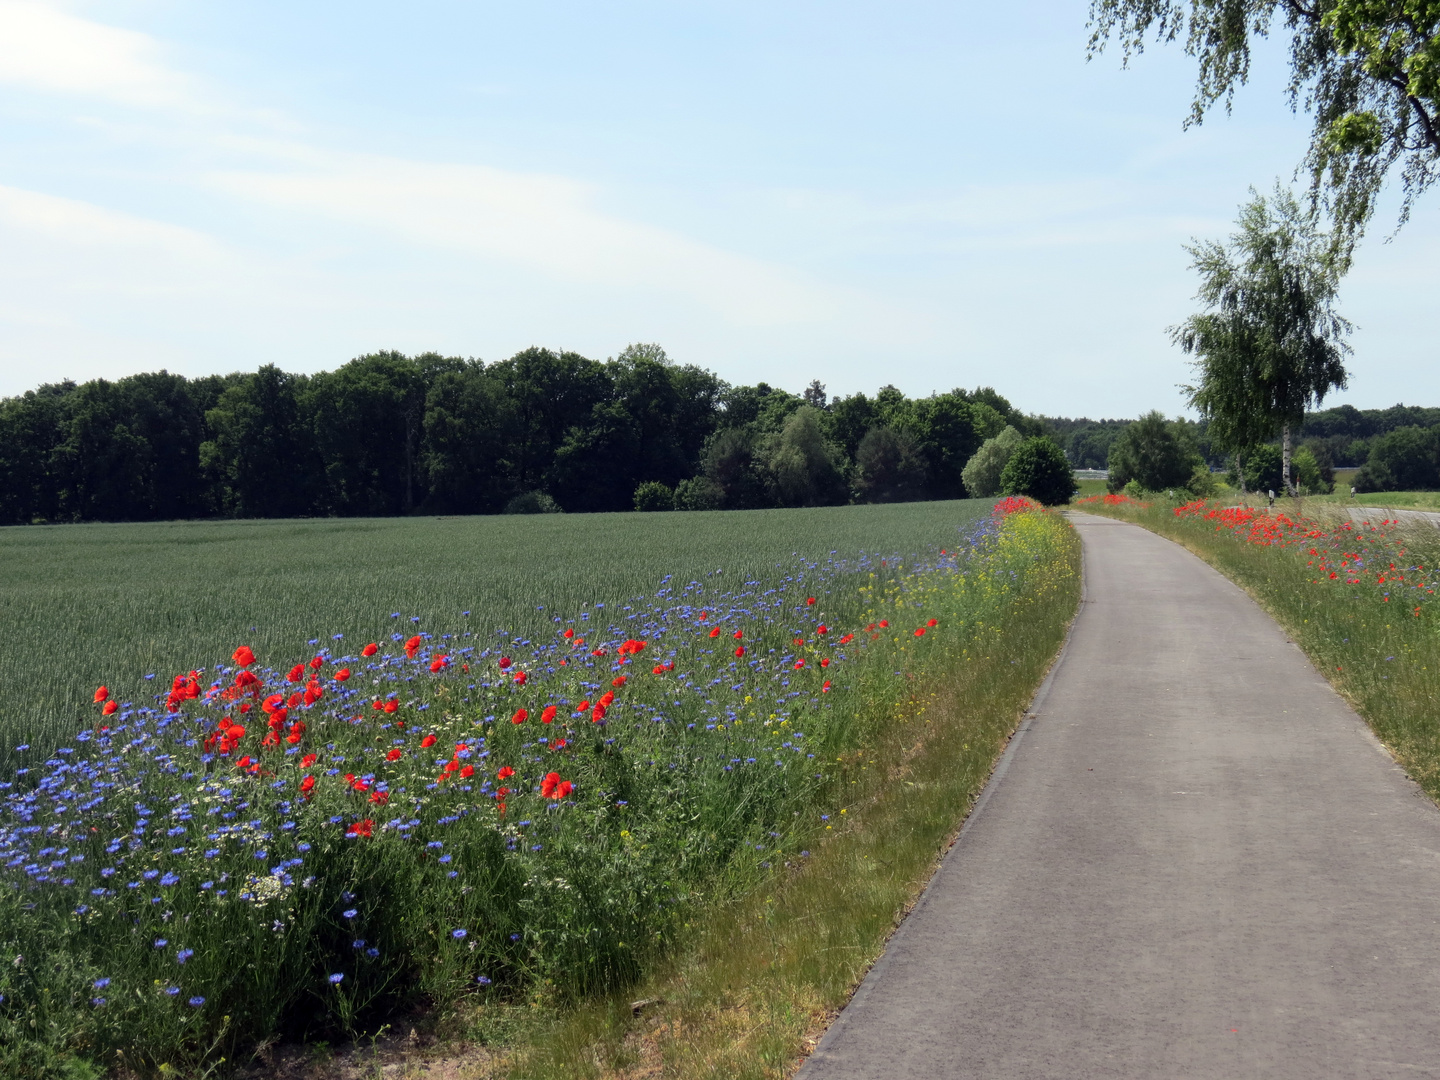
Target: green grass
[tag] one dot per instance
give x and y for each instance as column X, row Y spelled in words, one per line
column 1382, row 655
column 697, row 788
column 1403, row 500
column 82, row 605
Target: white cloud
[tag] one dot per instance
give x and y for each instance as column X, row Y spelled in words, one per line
column 87, row 225
column 43, row 48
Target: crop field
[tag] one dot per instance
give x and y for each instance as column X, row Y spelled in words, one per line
column 389, row 764
column 82, row 605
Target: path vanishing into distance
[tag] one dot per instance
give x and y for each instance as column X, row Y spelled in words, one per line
column 1194, row 861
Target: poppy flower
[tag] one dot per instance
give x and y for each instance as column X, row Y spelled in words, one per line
column 452, row 765
column 504, row 662
column 308, row 760
column 520, row 678
column 342, row 674
column 933, row 622
column 505, row 773
column 370, row 650
column 582, row 706
column 361, row 828
column 619, row 680
column 270, row 703
column 715, row 632
column 799, row 664
column 825, row 662
column 109, row 707
column 704, row 615
column 569, row 632
column 307, row 785
column 317, row 662
column 884, row 623
column 379, row 798
column 393, row 754
column 738, row 635
column 296, row 673
column 919, row 631
column 549, row 784
column 563, row 789
column 244, row 656
column 822, row 629
column 548, row 716
column 294, row 700
column 244, row 761
column 658, row 669
column 826, row 688
column 608, row 698
column 520, row 716
column 467, row 771
column 428, row 741
column 392, row 705
column 740, row 650
column 598, row 714
column 558, row 744
column 235, row 733
column 811, row 601
column 278, row 716
column 440, row 663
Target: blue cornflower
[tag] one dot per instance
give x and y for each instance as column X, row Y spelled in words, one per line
column 457, row 934
column 183, row 955
column 482, row 980
column 170, row 878
column 100, row 984
column 358, row 943
column 336, row 978
column 350, row 914
column 172, row 990
column 197, row 1001
column 160, row 943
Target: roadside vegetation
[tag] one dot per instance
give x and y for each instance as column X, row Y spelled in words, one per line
column 306, row 845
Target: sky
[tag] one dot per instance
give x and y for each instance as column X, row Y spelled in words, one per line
column 920, row 193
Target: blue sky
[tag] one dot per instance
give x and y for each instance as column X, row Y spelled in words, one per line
column 929, row 194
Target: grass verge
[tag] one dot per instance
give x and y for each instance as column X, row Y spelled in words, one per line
column 760, row 980
column 1360, row 599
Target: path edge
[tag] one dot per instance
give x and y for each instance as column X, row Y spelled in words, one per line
column 1002, row 766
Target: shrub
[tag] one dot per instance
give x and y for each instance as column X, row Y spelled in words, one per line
column 653, row 495
column 698, row 493
column 533, row 502
column 1305, row 470
column 1038, row 468
column 1261, row 466
column 982, row 472
column 1202, row 483
column 1153, row 452
column 1406, row 459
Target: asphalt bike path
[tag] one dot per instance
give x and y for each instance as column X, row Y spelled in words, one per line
column 1194, row 861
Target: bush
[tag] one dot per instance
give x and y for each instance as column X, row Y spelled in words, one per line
column 698, row 493
column 653, row 495
column 1038, row 468
column 1406, row 459
column 982, row 472
column 1153, row 452
column 890, row 467
column 533, row 502
column 1202, row 483
column 1305, row 470
column 1261, row 466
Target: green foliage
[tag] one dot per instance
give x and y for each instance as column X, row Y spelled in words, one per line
column 1038, row 469
column 888, row 467
column 1261, row 467
column 533, row 502
column 806, row 469
column 653, row 495
column 1368, row 70
column 982, row 471
column 1202, row 483
column 1406, row 459
column 1154, row 453
column 1310, row 475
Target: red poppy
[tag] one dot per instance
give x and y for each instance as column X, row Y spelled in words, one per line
column 467, row 771
column 558, row 744
column 548, row 716
column 317, row 662
column 235, row 733
column 822, row 629
column 520, row 677
column 440, row 663
column 740, row 650
column 379, row 798
column 452, row 765
column 294, row 700
column 244, row 761
column 294, row 738
column 825, row 662
column 598, row 714
column 826, row 688
column 933, row 622
column 799, row 664
column 307, row 785
column 278, row 716
column 715, row 632
column 428, row 741
column 549, row 784
column 582, row 706
column 361, row 828
column 569, row 632
column 244, row 656
column 884, row 623
column 619, row 680
column 919, row 631
column 342, row 674
column 296, row 673
column 704, row 615
column 505, row 773
column 370, row 650
column 392, row 705
column 608, row 698
column 109, row 707
column 738, row 635
column 393, row 754
column 308, row 760
column 847, row 639
column 811, row 601
column 520, row 716
column 504, row 662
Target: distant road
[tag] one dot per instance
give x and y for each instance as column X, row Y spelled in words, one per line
column 1195, row 863
column 1380, row 513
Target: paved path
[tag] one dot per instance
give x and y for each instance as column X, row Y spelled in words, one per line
column 1377, row 514
column 1196, row 863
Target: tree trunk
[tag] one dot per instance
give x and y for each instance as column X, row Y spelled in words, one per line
column 1285, row 460
column 1239, row 472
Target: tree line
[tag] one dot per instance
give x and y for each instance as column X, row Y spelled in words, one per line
column 389, row 434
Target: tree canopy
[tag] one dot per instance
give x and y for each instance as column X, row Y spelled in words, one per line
column 1367, row 70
